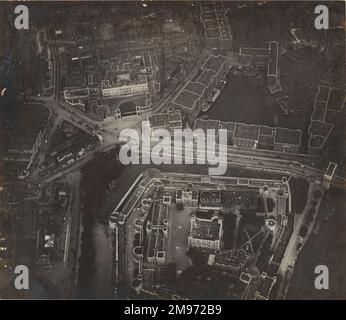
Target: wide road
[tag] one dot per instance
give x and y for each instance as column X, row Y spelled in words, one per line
column 254, row 162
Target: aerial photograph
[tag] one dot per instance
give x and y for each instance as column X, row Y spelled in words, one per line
column 173, row 150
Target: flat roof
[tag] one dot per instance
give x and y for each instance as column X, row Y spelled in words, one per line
column 195, row 87
column 210, row 195
column 214, row 63
column 320, row 128
column 336, row 99
column 245, row 197
column 273, row 58
column 245, row 131
column 316, row 141
column 266, row 286
column 229, row 126
column 263, row 134
column 158, row 120
column 156, row 240
column 319, row 111
column 205, row 230
column 174, row 115
column 206, row 124
column 206, row 77
column 195, row 194
column 186, row 99
column 159, row 213
column 288, row 136
column 254, row 51
column 266, row 140
column 231, row 257
column 267, row 131
column 331, row 168
column 170, row 119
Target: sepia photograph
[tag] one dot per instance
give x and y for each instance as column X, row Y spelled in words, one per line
column 172, row 150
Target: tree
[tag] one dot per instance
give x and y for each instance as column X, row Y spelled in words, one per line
column 317, row 194
column 311, row 211
column 303, row 231
column 310, row 216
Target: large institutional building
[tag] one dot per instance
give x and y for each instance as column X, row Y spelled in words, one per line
column 169, row 216
column 206, row 231
column 123, row 90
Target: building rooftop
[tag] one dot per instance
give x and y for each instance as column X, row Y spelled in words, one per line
column 265, row 286
column 156, row 238
column 206, row 124
column 231, row 258
column 320, row 128
column 195, row 194
column 316, row 141
column 329, row 103
column 266, row 140
column 331, row 169
column 206, row 77
column 243, row 197
column 158, row 120
column 156, row 242
column 159, row 213
column 254, row 51
column 214, row 63
column 212, row 196
column 171, row 119
column 186, row 99
column 229, row 126
column 288, row 136
column 175, row 120
column 336, row 100
column 267, row 131
column 245, row 131
column 195, row 87
column 273, row 58
column 204, row 227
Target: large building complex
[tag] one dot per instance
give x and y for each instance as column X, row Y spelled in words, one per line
column 170, row 120
column 169, row 217
column 328, row 109
column 125, row 88
column 217, row 31
column 110, row 83
column 199, row 92
column 256, row 136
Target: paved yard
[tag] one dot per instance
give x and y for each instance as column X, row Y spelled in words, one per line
column 178, row 232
